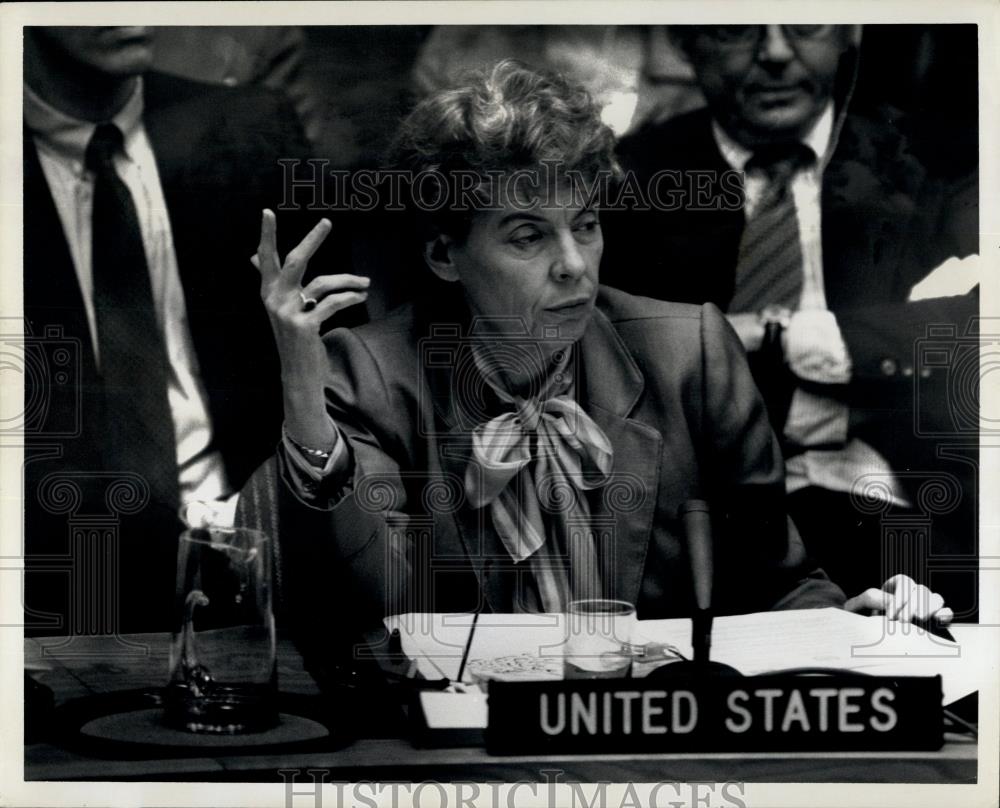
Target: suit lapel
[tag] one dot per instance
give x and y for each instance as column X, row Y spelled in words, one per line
column 480, row 541
column 447, row 370
column 171, row 136
column 200, row 195
column 622, row 511
column 870, row 193
column 52, row 293
column 50, row 282
column 170, row 133
column 609, row 386
column 707, row 240
column 54, row 311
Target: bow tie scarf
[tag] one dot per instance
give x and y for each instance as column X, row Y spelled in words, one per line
column 532, row 466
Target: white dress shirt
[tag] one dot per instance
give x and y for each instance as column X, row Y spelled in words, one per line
column 813, row 419
column 61, row 142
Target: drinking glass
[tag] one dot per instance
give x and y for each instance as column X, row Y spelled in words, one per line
column 598, row 637
column 223, row 677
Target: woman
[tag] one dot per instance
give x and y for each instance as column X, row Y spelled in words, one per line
column 520, row 436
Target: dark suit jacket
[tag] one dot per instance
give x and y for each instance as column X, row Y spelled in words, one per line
column 216, row 150
column 669, row 386
column 886, row 222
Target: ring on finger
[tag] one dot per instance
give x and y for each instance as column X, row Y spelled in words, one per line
column 308, row 303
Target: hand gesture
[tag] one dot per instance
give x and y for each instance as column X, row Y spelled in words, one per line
column 296, row 315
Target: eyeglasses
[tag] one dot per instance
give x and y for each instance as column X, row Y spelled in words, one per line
column 745, row 37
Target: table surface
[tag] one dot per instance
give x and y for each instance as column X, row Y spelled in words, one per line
column 92, row 665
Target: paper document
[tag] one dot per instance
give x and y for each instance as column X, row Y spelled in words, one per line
column 511, row 643
column 831, row 638
column 531, row 646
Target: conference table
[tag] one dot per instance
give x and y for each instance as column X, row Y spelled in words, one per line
column 379, row 750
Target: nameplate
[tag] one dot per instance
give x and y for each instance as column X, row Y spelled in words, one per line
column 752, row 714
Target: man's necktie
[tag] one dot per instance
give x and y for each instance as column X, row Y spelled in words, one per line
column 139, row 433
column 769, row 268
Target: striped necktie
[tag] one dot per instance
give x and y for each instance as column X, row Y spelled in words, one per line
column 769, row 267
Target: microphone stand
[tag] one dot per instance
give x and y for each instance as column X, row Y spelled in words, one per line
column 696, row 517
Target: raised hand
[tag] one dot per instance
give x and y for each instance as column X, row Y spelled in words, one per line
column 296, row 315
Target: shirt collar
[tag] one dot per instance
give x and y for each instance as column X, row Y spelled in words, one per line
column 69, row 136
column 817, row 139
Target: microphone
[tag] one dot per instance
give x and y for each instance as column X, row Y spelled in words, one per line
column 698, row 530
column 696, row 518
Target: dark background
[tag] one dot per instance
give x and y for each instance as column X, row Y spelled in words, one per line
column 353, row 83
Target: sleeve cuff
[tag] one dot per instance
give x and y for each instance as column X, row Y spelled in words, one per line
column 306, row 479
column 815, row 348
column 815, row 420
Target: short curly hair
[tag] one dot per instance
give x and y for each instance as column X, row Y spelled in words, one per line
column 502, row 120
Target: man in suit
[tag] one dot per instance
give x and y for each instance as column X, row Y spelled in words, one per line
column 813, row 258
column 142, row 195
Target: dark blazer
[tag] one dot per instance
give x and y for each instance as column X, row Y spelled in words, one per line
column 669, row 386
column 886, row 222
column 216, row 150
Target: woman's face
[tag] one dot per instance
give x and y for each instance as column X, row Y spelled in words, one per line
column 533, row 272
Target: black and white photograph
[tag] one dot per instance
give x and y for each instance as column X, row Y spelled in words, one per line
column 492, row 403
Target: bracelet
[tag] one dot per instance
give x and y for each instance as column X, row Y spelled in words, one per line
column 318, row 454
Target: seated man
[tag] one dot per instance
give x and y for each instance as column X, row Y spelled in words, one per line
column 809, row 221
column 520, row 436
column 138, row 187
